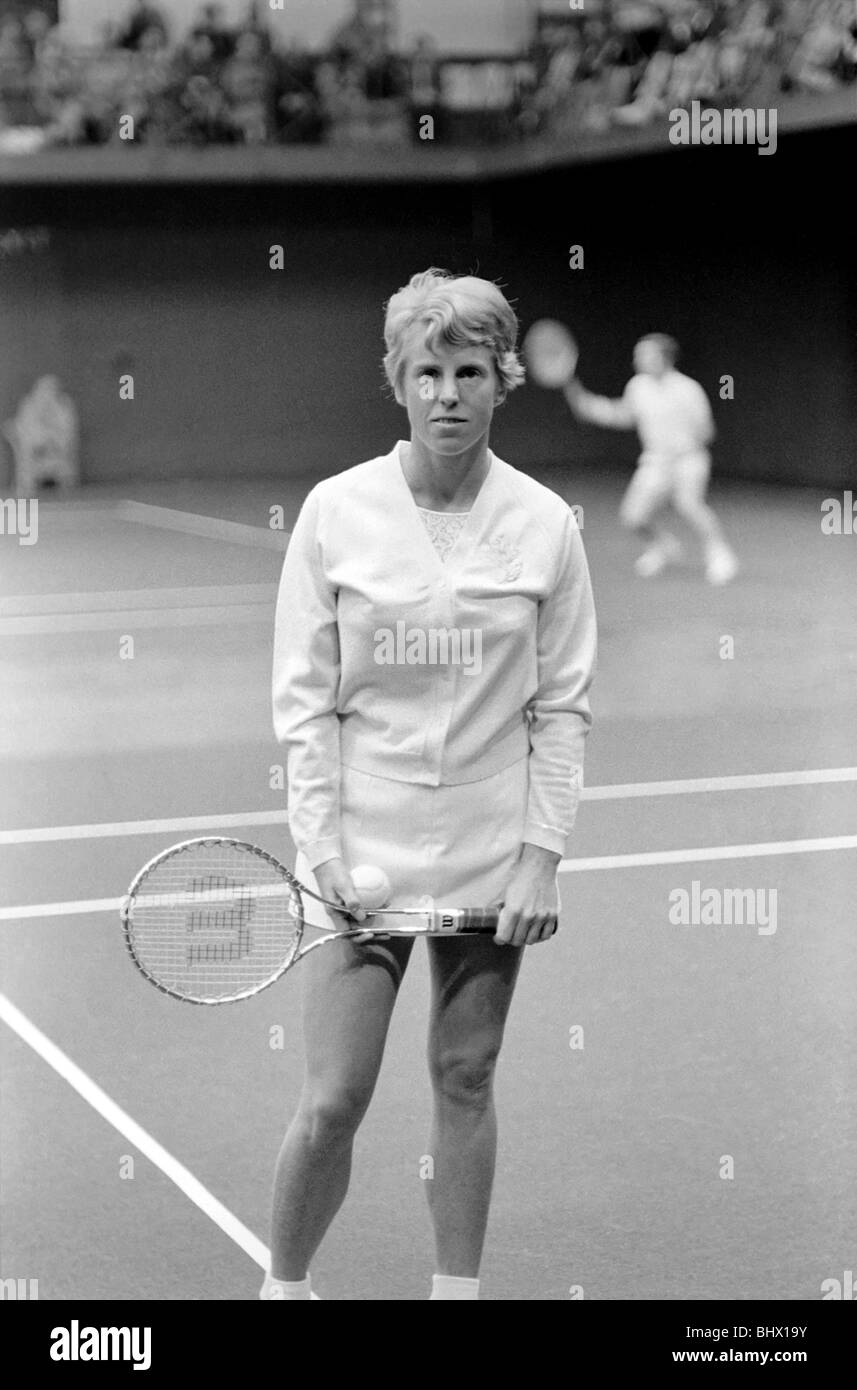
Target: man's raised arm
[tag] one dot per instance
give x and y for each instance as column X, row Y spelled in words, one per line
column 617, row 414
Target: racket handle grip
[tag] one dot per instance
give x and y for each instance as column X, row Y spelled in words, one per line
column 467, row 920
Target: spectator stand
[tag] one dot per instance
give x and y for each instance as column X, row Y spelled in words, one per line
column 586, row 77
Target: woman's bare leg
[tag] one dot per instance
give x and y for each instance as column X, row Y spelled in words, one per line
column 473, row 981
column 349, row 993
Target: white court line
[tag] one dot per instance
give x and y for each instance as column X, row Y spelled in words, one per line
column 617, row 792
column 566, row 866
column 742, row 782
column 134, row 1133
column 690, row 856
column 72, row 909
column 142, row 827
column 194, row 524
column 135, row 618
column 119, row 600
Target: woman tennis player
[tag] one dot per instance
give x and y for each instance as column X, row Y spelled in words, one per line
column 434, row 647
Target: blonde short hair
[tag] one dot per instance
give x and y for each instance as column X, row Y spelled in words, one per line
column 459, row 311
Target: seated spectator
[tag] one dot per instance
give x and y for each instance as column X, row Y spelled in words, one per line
column 604, row 84
column 421, row 66
column 352, row 115
column 695, row 75
column 59, row 80
column 146, row 95
column 383, row 74
column 143, row 17
column 747, row 55
column 210, row 24
column 846, row 64
column 107, row 74
column 344, row 101
column 368, row 27
column 812, row 66
column 201, row 111
column 385, row 83
column 44, row 434
column 558, row 84
column 196, row 57
column 253, row 25
column 248, row 86
column 298, row 114
column 203, row 117
column 37, row 25
column 16, row 106
column 420, row 82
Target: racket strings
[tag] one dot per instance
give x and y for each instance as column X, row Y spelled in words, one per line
column 215, row 923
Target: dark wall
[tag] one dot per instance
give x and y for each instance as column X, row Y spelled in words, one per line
column 19, row 8
column 239, row 368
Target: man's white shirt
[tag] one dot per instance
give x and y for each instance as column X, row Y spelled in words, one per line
column 671, row 413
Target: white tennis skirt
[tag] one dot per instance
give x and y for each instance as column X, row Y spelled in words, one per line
column 455, row 845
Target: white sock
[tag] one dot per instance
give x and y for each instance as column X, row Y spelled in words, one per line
column 283, row 1289
column 449, row 1286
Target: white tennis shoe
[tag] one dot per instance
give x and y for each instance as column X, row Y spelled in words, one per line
column 272, row 1290
column 721, row 565
column 666, row 551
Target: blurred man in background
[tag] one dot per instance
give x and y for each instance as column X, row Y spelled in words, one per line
column 671, row 413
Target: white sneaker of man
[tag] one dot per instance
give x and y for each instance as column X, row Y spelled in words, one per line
column 721, row 564
column 665, row 551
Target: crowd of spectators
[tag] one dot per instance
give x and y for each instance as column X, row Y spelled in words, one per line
column 630, row 63
column 620, row 62
column 213, row 84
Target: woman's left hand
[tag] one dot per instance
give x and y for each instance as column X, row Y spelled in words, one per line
column 531, row 904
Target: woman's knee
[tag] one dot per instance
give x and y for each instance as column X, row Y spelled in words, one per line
column 464, row 1078
column 332, row 1111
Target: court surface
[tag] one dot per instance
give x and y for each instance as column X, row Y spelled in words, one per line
column 700, row 1043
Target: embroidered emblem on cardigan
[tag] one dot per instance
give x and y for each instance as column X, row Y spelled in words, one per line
column 508, row 555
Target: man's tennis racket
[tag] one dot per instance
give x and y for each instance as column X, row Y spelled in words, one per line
column 212, row 921
column 551, row 353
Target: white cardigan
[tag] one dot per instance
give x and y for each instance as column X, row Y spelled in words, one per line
column 367, row 667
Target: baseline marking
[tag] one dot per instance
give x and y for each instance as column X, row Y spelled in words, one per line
column 71, row 909
column 615, row 792
column 120, row 600
column 566, row 866
column 143, row 618
column 689, row 856
column 134, row 1133
column 108, row 830
column 742, row 782
column 195, row 524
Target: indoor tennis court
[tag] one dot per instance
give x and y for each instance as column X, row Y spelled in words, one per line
column 641, row 1054
column 205, row 210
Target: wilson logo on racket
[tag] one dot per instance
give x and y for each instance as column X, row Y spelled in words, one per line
column 226, row 929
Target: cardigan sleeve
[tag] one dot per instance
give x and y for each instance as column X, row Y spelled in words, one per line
column 559, row 713
column 305, row 689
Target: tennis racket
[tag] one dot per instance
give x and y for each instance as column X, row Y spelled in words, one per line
column 551, row 353
column 212, row 921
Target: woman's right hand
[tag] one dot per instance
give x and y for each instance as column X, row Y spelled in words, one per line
column 334, row 883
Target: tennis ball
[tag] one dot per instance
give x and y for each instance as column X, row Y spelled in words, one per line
column 372, row 884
